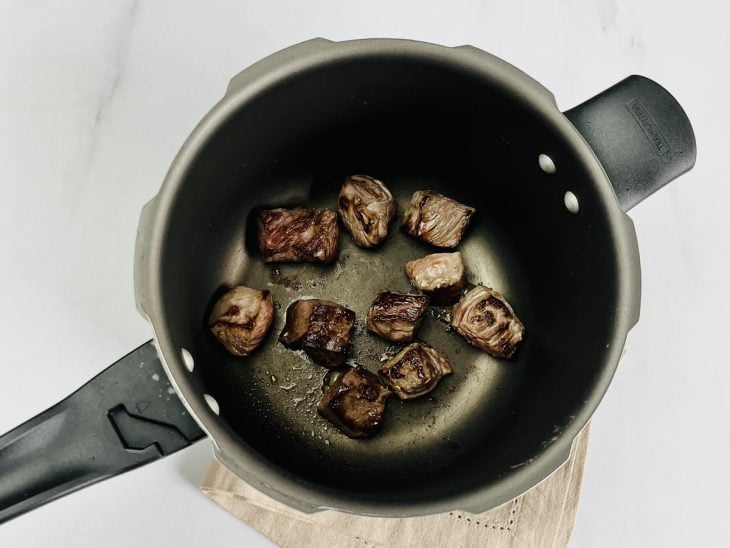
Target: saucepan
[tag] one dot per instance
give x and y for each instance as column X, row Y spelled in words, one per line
column 551, row 190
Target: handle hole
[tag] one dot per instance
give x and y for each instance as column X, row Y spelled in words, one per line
column 212, row 403
column 546, row 164
column 187, row 359
column 571, row 202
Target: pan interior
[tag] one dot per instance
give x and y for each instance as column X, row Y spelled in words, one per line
column 414, row 124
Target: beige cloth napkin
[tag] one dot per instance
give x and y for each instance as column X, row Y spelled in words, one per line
column 542, row 517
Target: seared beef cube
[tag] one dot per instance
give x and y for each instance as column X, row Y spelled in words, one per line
column 327, row 341
column 241, row 318
column 436, row 219
column 396, row 317
column 355, row 403
column 415, row 370
column 439, row 275
column 298, row 316
column 485, row 319
column 298, row 235
column 297, row 321
column 366, row 208
column 320, row 328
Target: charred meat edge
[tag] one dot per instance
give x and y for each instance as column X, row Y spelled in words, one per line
column 298, row 332
column 366, row 208
column 396, row 317
column 298, row 235
column 415, row 359
column 241, row 318
column 355, row 403
column 485, row 319
column 436, row 219
column 438, row 275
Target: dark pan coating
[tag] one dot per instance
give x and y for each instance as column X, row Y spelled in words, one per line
column 355, row 403
column 298, row 235
column 485, row 319
column 490, row 414
column 396, row 317
column 439, row 275
column 415, row 370
column 241, row 318
column 366, row 208
column 321, row 328
column 436, row 219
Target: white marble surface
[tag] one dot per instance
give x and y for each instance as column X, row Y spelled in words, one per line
column 95, row 99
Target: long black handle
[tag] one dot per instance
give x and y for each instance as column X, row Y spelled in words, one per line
column 640, row 134
column 126, row 416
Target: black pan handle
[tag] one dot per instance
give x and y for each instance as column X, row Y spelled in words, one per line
column 640, row 134
column 125, row 417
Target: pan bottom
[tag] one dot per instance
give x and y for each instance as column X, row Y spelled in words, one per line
column 271, row 397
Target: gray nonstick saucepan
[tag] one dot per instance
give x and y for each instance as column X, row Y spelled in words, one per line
column 550, row 233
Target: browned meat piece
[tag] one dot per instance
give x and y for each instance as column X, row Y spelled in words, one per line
column 366, row 208
column 327, row 340
column 396, row 317
column 297, row 321
column 320, row 328
column 298, row 235
column 415, row 370
column 355, row 403
column 485, row 319
column 241, row 318
column 436, row 219
column 440, row 276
